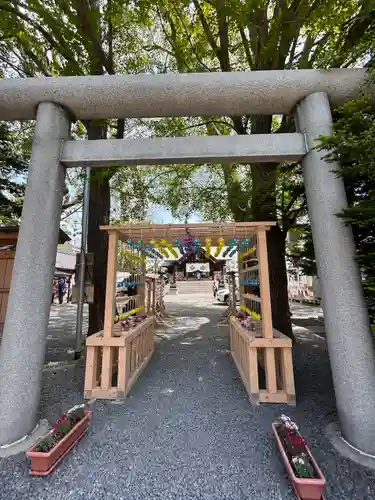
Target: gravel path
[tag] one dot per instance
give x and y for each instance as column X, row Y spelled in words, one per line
column 61, row 332
column 187, row 430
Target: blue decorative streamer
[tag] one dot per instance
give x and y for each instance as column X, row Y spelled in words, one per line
column 197, row 246
column 244, row 243
column 250, row 282
column 231, row 247
column 146, row 248
column 124, row 284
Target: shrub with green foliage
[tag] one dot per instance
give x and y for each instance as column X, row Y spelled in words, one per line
column 352, row 145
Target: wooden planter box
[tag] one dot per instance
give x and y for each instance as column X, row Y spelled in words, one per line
column 113, row 364
column 250, row 349
column 43, row 464
column 306, row 489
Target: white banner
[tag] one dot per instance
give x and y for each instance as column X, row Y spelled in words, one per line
column 203, row 267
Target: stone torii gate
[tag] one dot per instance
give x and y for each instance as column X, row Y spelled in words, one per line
column 55, row 102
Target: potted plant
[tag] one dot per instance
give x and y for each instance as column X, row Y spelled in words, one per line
column 307, row 478
column 47, row 452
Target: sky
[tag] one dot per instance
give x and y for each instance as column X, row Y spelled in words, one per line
column 160, row 215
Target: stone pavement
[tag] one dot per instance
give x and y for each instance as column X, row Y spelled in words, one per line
column 187, row 429
column 61, row 329
column 61, row 332
column 307, row 318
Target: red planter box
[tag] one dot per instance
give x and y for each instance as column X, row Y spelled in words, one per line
column 43, row 464
column 306, row 489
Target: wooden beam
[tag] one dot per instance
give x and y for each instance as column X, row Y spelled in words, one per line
column 264, row 285
column 193, row 226
column 110, row 295
column 171, row 232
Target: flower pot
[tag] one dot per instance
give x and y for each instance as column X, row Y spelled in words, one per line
column 306, row 488
column 43, row 463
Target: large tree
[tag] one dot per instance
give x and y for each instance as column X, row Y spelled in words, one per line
column 77, row 37
column 67, row 37
column 351, row 146
column 13, row 169
column 232, row 35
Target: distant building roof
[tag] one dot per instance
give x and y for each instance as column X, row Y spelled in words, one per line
column 9, row 235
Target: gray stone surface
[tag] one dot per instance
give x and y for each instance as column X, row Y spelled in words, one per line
column 23, row 445
column 307, row 319
column 61, row 333
column 349, row 338
column 182, row 150
column 25, row 329
column 187, row 430
column 345, row 449
column 200, row 94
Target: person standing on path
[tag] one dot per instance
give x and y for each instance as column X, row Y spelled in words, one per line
column 54, row 289
column 61, row 290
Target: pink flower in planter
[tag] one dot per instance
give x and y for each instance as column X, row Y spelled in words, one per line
column 299, row 441
column 288, row 422
column 62, row 420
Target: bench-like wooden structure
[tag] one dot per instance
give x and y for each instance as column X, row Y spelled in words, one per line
column 262, row 347
column 115, row 358
column 250, row 350
column 114, row 363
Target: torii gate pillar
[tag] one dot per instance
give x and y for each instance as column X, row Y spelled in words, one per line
column 349, row 338
column 23, row 344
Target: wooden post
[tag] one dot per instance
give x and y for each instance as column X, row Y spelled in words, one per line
column 110, row 294
column 123, row 369
column 142, row 290
column 233, row 292
column 287, row 372
column 266, row 311
column 149, row 285
column 264, row 284
column 253, row 371
column 153, row 281
column 241, row 277
column 91, row 372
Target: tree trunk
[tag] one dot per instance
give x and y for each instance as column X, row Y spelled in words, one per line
column 279, row 281
column 264, row 209
column 99, row 212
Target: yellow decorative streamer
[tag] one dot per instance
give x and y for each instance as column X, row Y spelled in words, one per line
column 220, row 246
column 170, row 248
column 134, row 258
column 122, row 316
column 159, row 246
column 208, row 246
column 248, row 252
column 251, row 313
column 163, row 250
column 129, row 258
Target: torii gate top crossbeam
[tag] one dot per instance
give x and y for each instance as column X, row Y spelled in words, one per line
column 193, row 94
column 171, row 232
